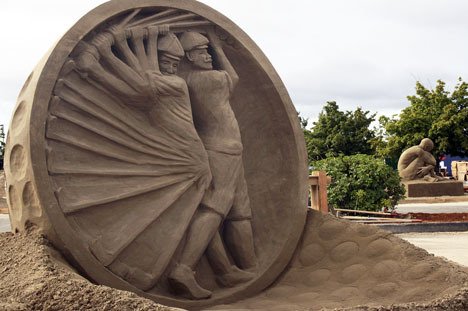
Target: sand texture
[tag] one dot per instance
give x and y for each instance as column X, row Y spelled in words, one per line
column 339, row 266
column 342, row 264
column 33, row 276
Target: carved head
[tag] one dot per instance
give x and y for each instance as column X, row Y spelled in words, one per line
column 196, row 50
column 168, row 65
column 426, row 144
column 170, row 52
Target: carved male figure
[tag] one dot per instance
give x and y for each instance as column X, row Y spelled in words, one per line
column 227, row 198
column 147, row 80
column 418, row 163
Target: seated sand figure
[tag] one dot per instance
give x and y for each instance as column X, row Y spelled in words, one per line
column 418, row 163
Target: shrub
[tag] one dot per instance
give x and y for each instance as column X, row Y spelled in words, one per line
column 361, row 182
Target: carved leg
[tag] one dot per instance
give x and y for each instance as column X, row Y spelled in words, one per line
column 239, row 239
column 204, row 226
column 217, row 256
column 228, row 275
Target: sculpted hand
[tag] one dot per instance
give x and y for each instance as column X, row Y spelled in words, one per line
column 120, row 35
column 103, row 42
column 214, row 39
column 164, row 29
column 153, row 31
column 138, row 33
column 87, row 60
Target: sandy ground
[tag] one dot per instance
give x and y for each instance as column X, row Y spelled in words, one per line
column 345, row 265
column 339, row 266
column 33, row 276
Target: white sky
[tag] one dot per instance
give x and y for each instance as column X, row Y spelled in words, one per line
column 366, row 53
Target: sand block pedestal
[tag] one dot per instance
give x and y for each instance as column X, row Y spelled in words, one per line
column 433, row 189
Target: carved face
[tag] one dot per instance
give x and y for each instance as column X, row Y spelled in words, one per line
column 200, row 58
column 168, row 65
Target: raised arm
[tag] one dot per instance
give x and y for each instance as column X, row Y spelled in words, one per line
column 99, row 62
column 133, row 77
column 152, row 45
column 222, row 59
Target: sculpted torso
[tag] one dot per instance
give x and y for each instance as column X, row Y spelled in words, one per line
column 214, row 119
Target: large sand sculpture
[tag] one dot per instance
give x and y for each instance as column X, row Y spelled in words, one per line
column 158, row 151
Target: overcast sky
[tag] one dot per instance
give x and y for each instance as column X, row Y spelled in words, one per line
column 366, row 53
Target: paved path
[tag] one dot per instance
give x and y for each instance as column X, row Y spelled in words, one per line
column 4, row 223
column 433, row 208
column 451, row 245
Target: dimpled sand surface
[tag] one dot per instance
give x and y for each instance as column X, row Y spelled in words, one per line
column 341, row 264
column 338, row 265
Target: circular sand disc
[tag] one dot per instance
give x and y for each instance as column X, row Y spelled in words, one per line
column 96, row 175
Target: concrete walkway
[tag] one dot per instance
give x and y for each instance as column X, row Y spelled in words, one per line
column 432, row 208
column 451, row 245
column 4, row 223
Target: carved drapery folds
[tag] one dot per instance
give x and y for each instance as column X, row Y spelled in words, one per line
column 122, row 172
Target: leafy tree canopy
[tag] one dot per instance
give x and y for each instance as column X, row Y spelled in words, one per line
column 361, row 182
column 436, row 114
column 340, row 133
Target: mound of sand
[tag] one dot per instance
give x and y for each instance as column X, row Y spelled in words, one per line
column 33, row 276
column 339, row 265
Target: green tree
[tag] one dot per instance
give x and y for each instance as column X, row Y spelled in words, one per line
column 361, row 182
column 2, row 145
column 340, row 133
column 307, row 133
column 436, row 114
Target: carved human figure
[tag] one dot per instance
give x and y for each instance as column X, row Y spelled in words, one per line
column 151, row 82
column 139, row 65
column 226, row 202
column 418, row 163
column 147, row 80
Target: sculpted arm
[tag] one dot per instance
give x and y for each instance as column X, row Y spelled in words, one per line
column 129, row 79
column 88, row 62
column 132, row 74
column 222, row 58
column 428, row 158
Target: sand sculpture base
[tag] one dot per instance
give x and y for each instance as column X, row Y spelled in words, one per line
column 434, row 189
column 338, row 265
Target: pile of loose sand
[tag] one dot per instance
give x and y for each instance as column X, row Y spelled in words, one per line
column 342, row 264
column 33, row 276
column 339, row 265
